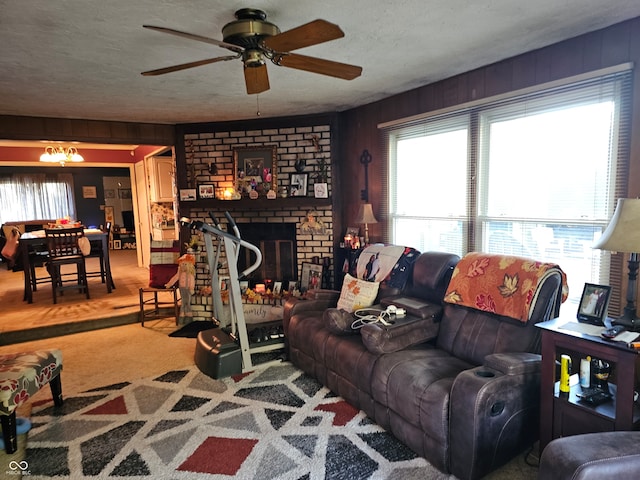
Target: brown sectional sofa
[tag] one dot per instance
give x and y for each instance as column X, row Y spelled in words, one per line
column 458, row 385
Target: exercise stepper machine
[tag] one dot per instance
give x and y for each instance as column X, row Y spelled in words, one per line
column 217, row 354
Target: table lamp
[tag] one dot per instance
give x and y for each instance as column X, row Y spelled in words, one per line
column 623, row 235
column 365, row 215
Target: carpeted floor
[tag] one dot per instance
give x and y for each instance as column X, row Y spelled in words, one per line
column 275, row 422
column 24, row 322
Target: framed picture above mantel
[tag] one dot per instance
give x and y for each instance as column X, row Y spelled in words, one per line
column 255, row 169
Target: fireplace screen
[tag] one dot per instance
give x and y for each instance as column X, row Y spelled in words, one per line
column 277, row 243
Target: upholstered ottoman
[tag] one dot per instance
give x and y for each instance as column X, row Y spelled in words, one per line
column 22, row 375
column 592, row 456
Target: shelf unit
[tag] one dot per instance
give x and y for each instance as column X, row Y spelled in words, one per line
column 562, row 415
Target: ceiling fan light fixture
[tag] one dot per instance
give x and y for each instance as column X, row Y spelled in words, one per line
column 253, row 58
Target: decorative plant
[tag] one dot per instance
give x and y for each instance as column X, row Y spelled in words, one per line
column 322, row 174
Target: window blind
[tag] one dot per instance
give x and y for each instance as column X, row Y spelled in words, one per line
column 540, row 169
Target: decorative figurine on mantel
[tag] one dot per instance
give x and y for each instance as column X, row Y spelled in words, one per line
column 312, row 224
column 300, row 165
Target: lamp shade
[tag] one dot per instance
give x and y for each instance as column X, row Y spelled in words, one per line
column 365, row 214
column 623, row 232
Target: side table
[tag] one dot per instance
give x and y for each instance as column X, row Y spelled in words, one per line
column 563, row 416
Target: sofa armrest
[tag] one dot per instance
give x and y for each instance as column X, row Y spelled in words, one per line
column 317, row 302
column 513, row 363
column 499, row 403
column 323, row 294
column 298, row 305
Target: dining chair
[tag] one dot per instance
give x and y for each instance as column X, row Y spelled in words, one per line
column 64, row 249
column 163, row 267
column 98, row 252
column 38, row 257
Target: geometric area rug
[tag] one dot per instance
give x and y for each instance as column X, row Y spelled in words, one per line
column 273, row 423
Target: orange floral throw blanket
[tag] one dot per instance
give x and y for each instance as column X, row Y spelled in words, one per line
column 500, row 284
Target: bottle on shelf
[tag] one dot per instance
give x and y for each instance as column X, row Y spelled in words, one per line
column 585, row 372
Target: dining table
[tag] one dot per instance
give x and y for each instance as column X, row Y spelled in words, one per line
column 30, row 240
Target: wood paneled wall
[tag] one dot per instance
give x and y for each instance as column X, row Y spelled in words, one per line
column 600, row 49
column 93, row 131
column 358, row 129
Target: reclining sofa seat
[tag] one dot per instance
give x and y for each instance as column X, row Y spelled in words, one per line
column 467, row 400
column 342, row 362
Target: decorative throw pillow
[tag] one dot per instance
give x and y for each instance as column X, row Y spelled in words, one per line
column 160, row 274
column 357, row 294
column 164, row 252
column 85, row 245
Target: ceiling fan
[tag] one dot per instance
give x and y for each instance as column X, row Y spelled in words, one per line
column 254, row 39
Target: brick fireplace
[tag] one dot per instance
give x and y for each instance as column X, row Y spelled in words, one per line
column 272, row 224
column 277, row 228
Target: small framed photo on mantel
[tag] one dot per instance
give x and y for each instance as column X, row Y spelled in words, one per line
column 298, row 184
column 206, row 191
column 320, row 190
column 187, row 194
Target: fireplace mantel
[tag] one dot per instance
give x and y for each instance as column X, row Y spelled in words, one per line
column 258, row 204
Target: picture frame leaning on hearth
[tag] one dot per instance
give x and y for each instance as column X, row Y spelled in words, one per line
column 311, row 277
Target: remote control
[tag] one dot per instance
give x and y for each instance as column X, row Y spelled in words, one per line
column 613, row 331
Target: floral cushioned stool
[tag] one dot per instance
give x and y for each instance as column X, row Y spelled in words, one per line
column 22, row 375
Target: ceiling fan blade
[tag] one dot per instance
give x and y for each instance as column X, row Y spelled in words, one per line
column 184, row 66
column 256, row 79
column 318, row 65
column 199, row 38
column 312, row 33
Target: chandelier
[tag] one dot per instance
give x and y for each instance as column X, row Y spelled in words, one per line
column 61, row 155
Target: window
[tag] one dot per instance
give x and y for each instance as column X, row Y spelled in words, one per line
column 431, row 166
column 36, row 197
column 536, row 176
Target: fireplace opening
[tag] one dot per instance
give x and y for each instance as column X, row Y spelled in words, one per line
column 277, row 242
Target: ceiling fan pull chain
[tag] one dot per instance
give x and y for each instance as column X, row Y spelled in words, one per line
column 258, row 104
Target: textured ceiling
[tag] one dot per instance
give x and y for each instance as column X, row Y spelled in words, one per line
column 83, row 58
